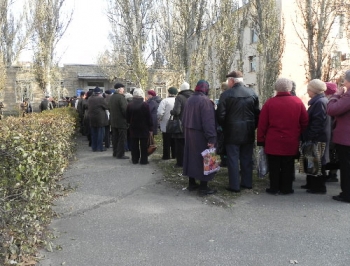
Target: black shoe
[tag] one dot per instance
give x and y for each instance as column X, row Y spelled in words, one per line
column 192, row 187
column 206, row 191
column 339, row 198
column 316, row 191
column 233, row 190
column 270, row 191
column 286, row 193
column 123, row 157
column 332, row 179
column 307, row 186
column 144, row 163
column 245, row 187
column 103, row 149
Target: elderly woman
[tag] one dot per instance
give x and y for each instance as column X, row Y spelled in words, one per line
column 138, row 116
column 339, row 108
column 199, row 125
column 318, row 131
column 282, row 119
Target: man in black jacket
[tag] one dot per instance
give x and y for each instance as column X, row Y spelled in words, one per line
column 238, row 113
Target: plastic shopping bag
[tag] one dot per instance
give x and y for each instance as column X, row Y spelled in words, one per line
column 263, row 167
column 211, row 161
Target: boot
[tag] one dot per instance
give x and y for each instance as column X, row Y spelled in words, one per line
column 308, row 182
column 204, row 189
column 192, row 185
column 318, row 185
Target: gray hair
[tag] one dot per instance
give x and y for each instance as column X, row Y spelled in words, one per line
column 347, row 75
column 283, row 84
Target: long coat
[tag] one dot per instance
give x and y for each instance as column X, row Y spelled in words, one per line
column 163, row 112
column 97, row 111
column 117, row 108
column 281, row 121
column 319, row 127
column 153, row 104
column 200, row 129
column 179, row 107
column 339, row 107
column 139, row 117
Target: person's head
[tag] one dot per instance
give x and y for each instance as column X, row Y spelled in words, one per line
column 172, row 91
column 331, row 89
column 224, row 86
column 315, row 87
column 283, row 85
column 347, row 80
column 233, row 78
column 97, row 91
column 151, row 93
column 128, row 97
column 108, row 92
column 294, row 86
column 139, row 93
column 202, row 86
column 119, row 87
column 184, row 86
column 82, row 94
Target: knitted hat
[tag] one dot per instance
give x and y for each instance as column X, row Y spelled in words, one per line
column 152, row 92
column 172, row 91
column 139, row 93
column 97, row 90
column 331, row 88
column 202, row 86
column 184, row 86
column 317, row 86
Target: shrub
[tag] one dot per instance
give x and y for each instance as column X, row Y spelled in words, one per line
column 34, row 151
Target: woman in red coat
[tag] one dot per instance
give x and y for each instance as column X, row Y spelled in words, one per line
column 281, row 121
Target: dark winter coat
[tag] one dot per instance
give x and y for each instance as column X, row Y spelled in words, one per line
column 97, row 111
column 199, row 125
column 282, row 120
column 179, row 106
column 117, row 109
column 45, row 105
column 139, row 117
column 238, row 114
column 153, row 104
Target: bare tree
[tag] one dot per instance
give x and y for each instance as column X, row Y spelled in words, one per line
column 268, row 26
column 316, row 21
column 132, row 22
column 50, row 24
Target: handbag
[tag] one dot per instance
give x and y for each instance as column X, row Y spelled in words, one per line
column 151, row 147
column 262, row 163
column 174, row 126
column 211, row 161
column 310, row 158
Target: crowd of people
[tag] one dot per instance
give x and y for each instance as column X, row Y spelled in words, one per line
column 282, row 127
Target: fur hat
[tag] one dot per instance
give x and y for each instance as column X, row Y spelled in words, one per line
column 347, row 75
column 184, row 86
column 317, row 86
column 138, row 92
column 234, row 74
column 172, row 91
column 202, row 86
column 152, row 92
column 331, row 88
column 119, row 85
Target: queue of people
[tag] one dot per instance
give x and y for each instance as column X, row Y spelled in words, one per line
column 283, row 126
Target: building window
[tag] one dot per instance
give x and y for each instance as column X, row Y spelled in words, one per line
column 252, row 63
column 23, row 90
column 253, row 36
column 95, row 84
column 161, row 92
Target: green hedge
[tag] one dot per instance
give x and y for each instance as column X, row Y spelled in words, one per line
column 34, row 151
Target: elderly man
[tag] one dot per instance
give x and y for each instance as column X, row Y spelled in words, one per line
column 117, row 108
column 238, row 113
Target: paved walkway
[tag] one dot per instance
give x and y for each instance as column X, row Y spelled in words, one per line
column 123, row 214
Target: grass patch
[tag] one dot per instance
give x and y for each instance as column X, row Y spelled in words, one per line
column 173, row 177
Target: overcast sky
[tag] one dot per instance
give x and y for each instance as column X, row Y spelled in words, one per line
column 87, row 35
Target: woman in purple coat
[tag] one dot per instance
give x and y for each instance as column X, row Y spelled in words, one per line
column 200, row 134
column 339, row 108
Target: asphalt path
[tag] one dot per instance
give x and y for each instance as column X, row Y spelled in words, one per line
column 125, row 214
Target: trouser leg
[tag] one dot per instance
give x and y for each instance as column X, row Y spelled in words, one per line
column 287, row 174
column 233, row 167
column 143, row 149
column 274, row 172
column 344, row 161
column 246, row 164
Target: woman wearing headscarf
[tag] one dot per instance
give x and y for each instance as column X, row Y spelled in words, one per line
column 200, row 134
column 281, row 121
column 319, row 132
column 139, row 118
column 339, row 108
